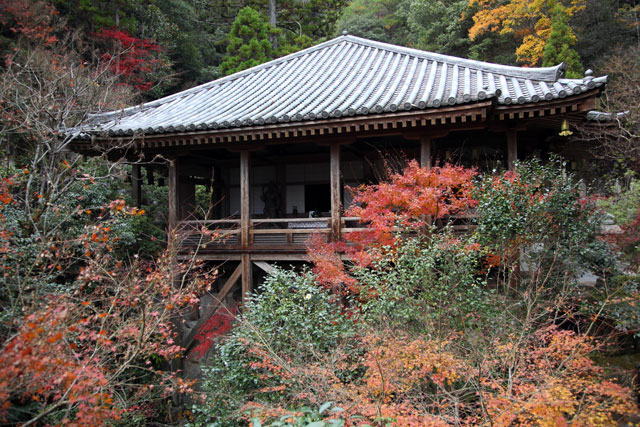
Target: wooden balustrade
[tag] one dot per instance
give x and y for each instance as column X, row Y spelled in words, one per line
column 279, row 234
column 283, row 233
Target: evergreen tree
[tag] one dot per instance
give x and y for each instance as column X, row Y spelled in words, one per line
column 439, row 26
column 602, row 25
column 385, row 21
column 559, row 46
column 249, row 43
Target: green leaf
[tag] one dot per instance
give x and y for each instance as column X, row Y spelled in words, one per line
column 324, row 407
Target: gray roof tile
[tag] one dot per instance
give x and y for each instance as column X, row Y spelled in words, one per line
column 345, row 76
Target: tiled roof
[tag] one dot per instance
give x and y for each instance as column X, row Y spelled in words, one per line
column 345, row 76
column 602, row 116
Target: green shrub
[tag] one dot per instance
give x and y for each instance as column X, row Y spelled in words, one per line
column 426, row 282
column 305, row 417
column 624, row 203
column 536, row 214
column 289, row 321
column 291, row 313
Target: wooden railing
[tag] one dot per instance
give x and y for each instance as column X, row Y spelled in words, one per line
column 278, row 233
column 265, row 232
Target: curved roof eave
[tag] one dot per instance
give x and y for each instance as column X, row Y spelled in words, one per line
column 352, row 76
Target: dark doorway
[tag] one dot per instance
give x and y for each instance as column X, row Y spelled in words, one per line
column 317, row 197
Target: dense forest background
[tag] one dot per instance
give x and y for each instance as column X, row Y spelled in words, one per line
column 421, row 328
column 177, row 44
column 149, row 49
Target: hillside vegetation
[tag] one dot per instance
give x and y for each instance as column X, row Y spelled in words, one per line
column 429, row 328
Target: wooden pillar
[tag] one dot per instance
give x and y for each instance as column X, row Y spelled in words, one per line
column 512, row 148
column 247, row 276
column 136, row 185
column 172, row 202
column 425, row 152
column 173, row 194
column 245, row 208
column 245, row 223
column 335, row 190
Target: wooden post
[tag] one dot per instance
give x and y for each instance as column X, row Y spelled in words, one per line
column 425, row 152
column 335, row 191
column 136, row 185
column 177, row 320
column 245, row 223
column 512, row 148
column 245, row 208
column 173, row 194
column 247, row 277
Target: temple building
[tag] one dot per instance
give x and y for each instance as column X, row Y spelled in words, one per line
column 276, row 144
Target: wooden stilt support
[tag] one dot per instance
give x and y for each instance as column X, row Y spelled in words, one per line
column 247, row 277
column 336, row 206
column 210, row 311
column 176, row 363
column 264, row 266
column 245, row 224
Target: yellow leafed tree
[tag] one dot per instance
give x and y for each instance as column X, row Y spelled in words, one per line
column 527, row 20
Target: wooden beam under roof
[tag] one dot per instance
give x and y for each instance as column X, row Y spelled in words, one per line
column 459, row 117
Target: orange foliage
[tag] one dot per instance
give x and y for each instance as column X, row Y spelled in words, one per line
column 527, row 20
column 41, row 364
column 545, row 379
column 556, row 385
column 399, row 365
column 32, row 19
column 328, row 266
column 408, row 196
column 74, row 355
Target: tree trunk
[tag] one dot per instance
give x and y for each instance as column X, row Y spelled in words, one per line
column 273, row 22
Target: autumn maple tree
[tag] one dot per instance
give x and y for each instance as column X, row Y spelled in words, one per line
column 405, row 203
column 528, row 21
column 408, row 199
column 88, row 326
column 95, row 349
column 34, row 20
column 139, row 62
